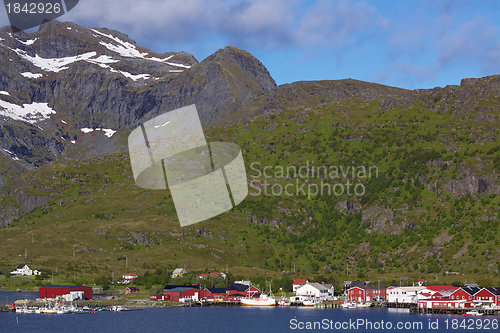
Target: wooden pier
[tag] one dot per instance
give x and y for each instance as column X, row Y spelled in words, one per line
column 398, row 305
column 454, row 311
column 328, row 305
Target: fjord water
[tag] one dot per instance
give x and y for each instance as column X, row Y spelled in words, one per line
column 9, row 297
column 228, row 319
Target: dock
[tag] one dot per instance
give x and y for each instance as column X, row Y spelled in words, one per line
column 328, row 305
column 454, row 311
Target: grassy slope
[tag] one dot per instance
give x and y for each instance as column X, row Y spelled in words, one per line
column 95, row 205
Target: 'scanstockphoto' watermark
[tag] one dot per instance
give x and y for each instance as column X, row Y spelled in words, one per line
column 27, row 14
column 295, row 179
column 205, row 180
column 361, row 324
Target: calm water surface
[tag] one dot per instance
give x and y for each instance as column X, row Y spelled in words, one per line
column 242, row 319
column 9, row 297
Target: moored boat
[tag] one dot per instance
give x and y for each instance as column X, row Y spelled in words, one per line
column 311, row 302
column 262, row 300
column 283, row 302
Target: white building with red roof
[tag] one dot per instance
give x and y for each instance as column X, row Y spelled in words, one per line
column 297, row 283
column 128, row 278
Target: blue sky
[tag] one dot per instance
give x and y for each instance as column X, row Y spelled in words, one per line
column 408, row 44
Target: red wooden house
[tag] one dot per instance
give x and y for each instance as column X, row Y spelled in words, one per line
column 496, row 292
column 60, row 290
column 214, row 293
column 486, row 296
column 464, row 293
column 130, row 290
column 366, row 294
column 242, row 289
column 175, row 294
column 443, row 303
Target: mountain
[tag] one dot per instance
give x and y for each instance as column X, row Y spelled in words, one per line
column 65, row 78
column 418, row 169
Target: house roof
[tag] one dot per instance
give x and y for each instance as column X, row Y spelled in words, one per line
column 358, row 283
column 132, row 288
column 413, row 288
column 315, row 285
column 238, row 287
column 21, row 266
column 180, row 289
column 494, row 290
column 469, row 290
column 369, row 288
column 299, row 281
column 130, row 274
column 422, row 280
column 178, row 270
column 217, row 290
column 172, row 286
column 442, row 288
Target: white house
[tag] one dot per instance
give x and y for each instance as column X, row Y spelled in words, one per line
column 129, row 277
column 313, row 290
column 403, row 294
column 24, row 270
column 331, row 289
column 297, row 283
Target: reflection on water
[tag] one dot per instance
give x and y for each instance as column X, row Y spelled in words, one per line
column 398, row 310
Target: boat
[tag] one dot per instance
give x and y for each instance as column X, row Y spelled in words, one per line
column 349, row 305
column 364, row 305
column 283, row 302
column 311, row 302
column 472, row 313
column 262, row 300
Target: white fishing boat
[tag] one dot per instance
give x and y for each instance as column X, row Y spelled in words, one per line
column 262, row 300
column 311, row 302
column 364, row 304
column 473, row 313
column 349, row 305
column 284, row 302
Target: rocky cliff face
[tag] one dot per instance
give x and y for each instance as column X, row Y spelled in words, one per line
column 65, row 78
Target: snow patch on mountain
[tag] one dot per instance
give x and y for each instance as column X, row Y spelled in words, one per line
column 108, row 132
column 54, row 64
column 128, row 50
column 11, row 154
column 30, row 113
column 31, row 75
column 28, row 42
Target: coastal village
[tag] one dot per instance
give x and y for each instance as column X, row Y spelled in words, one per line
column 469, row 299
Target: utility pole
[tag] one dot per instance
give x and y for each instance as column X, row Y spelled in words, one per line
column 126, row 262
column 73, row 251
column 113, row 277
column 25, row 253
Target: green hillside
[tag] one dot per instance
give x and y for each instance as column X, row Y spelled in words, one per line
column 423, row 198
